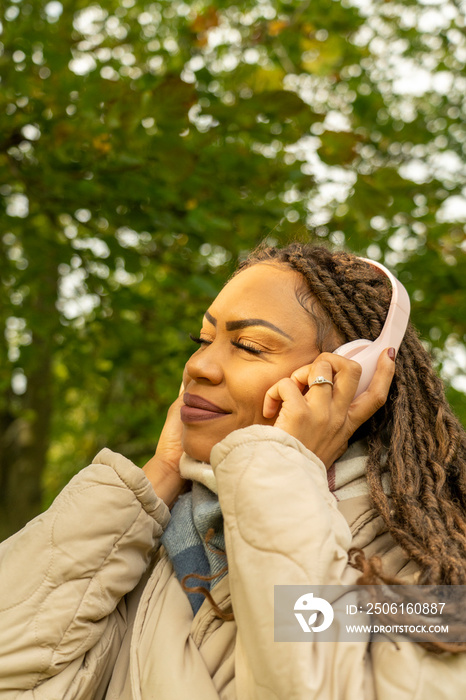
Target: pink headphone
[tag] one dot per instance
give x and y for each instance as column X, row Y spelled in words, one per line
column 366, row 352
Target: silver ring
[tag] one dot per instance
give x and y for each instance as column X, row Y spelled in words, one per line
column 321, row 380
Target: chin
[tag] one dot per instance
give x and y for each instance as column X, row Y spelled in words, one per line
column 197, row 449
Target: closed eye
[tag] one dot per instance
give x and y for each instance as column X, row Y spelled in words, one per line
column 248, row 348
column 242, row 346
column 199, row 341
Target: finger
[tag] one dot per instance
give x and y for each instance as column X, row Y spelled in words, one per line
column 376, row 394
column 326, row 364
column 300, row 377
column 306, row 376
column 320, row 386
column 346, row 382
column 283, row 390
column 173, row 421
column 344, row 373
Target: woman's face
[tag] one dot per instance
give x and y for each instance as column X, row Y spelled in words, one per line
column 254, row 334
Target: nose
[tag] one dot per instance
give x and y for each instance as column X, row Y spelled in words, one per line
column 205, row 366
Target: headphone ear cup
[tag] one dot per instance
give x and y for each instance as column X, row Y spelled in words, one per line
column 365, row 353
column 350, row 350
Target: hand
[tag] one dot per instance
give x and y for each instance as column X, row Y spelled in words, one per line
column 163, row 469
column 325, row 417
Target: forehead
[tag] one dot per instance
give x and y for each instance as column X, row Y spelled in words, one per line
column 264, row 290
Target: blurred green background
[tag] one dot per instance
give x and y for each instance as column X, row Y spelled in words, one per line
column 146, row 146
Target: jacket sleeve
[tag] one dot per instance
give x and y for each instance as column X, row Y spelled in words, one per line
column 63, row 576
column 282, row 526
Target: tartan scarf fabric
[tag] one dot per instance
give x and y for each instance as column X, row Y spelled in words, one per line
column 184, row 539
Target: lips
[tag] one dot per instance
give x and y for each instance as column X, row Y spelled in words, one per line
column 199, row 402
column 196, row 408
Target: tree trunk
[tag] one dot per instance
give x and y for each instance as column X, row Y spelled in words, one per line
column 23, row 448
column 25, row 420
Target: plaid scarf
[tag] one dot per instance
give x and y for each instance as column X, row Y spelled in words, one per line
column 184, row 539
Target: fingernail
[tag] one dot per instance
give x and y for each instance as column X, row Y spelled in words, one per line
column 392, row 353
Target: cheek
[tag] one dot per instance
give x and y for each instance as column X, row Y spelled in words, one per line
column 255, row 392
column 251, row 394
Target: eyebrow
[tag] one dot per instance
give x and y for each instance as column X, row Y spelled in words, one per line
column 245, row 323
column 211, row 319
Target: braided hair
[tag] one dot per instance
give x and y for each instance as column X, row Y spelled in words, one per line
column 415, row 435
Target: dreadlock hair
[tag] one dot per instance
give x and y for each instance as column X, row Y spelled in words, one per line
column 225, row 614
column 415, row 435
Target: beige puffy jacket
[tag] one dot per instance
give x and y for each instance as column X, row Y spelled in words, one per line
column 71, row 629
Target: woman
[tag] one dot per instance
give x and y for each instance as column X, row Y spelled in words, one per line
column 93, row 607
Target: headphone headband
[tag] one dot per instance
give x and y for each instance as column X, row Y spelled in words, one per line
column 398, row 313
column 366, row 352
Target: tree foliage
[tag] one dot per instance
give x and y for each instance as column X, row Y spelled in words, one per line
column 145, row 146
